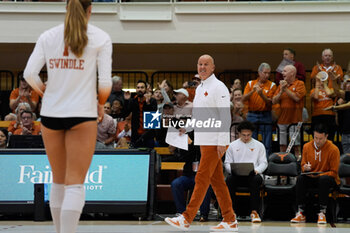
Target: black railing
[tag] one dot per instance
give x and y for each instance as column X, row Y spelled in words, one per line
column 176, row 78
column 130, row 78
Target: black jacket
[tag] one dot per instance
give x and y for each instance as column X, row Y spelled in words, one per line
column 135, row 120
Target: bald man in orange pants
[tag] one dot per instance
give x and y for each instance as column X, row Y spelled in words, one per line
column 212, row 100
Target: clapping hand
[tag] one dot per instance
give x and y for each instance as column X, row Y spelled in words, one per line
column 127, row 95
column 333, row 75
column 26, row 131
column 148, row 96
column 283, row 84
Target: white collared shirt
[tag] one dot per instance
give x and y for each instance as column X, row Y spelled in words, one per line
column 212, row 100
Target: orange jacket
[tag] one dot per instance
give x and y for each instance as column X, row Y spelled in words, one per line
column 325, row 159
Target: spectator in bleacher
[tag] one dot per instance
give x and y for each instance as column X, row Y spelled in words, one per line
column 328, row 65
column 107, row 108
column 247, row 150
column 236, row 84
column 3, row 138
column 117, row 91
column 183, row 107
column 23, row 94
column 290, row 95
column 27, row 126
column 142, row 102
column 343, row 111
column 289, row 55
column 123, row 134
column 10, row 117
column 161, row 95
column 322, row 97
column 157, row 95
column 191, row 87
column 258, row 95
column 240, row 108
column 15, row 124
column 237, row 112
column 117, row 111
column 320, row 156
column 167, row 88
column 187, row 181
column 105, row 132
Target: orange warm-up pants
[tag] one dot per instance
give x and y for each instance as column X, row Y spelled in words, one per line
column 210, row 171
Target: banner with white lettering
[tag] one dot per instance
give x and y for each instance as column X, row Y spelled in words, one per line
column 110, row 177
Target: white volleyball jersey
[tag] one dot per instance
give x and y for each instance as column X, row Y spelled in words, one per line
column 71, row 86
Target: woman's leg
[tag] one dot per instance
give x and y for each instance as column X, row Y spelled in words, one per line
column 80, row 143
column 54, row 141
column 80, row 147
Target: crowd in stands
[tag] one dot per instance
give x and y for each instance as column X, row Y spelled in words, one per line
column 262, row 101
column 256, row 108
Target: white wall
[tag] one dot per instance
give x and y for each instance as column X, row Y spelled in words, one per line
column 211, row 22
column 171, row 36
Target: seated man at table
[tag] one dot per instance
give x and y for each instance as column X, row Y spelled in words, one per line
column 320, row 158
column 247, row 150
column 27, row 126
column 187, row 180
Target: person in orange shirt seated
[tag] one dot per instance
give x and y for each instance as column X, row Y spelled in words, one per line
column 322, row 97
column 15, row 124
column 328, row 65
column 319, row 164
column 290, row 95
column 258, row 96
column 23, row 93
column 27, row 125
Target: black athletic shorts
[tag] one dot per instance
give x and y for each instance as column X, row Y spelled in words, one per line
column 64, row 123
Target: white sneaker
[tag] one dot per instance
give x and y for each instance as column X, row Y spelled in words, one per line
column 226, row 227
column 179, row 222
column 321, row 218
column 254, row 216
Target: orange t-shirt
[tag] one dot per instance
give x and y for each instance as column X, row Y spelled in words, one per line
column 322, row 102
column 335, row 68
column 255, row 102
column 13, row 126
column 324, row 160
column 35, row 130
column 33, row 96
column 291, row 111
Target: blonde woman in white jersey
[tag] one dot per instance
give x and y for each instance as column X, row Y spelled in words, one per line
column 71, row 51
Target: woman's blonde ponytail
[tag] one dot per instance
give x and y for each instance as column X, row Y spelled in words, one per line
column 75, row 26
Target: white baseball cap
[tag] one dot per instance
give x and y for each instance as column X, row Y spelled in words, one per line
column 183, row 91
